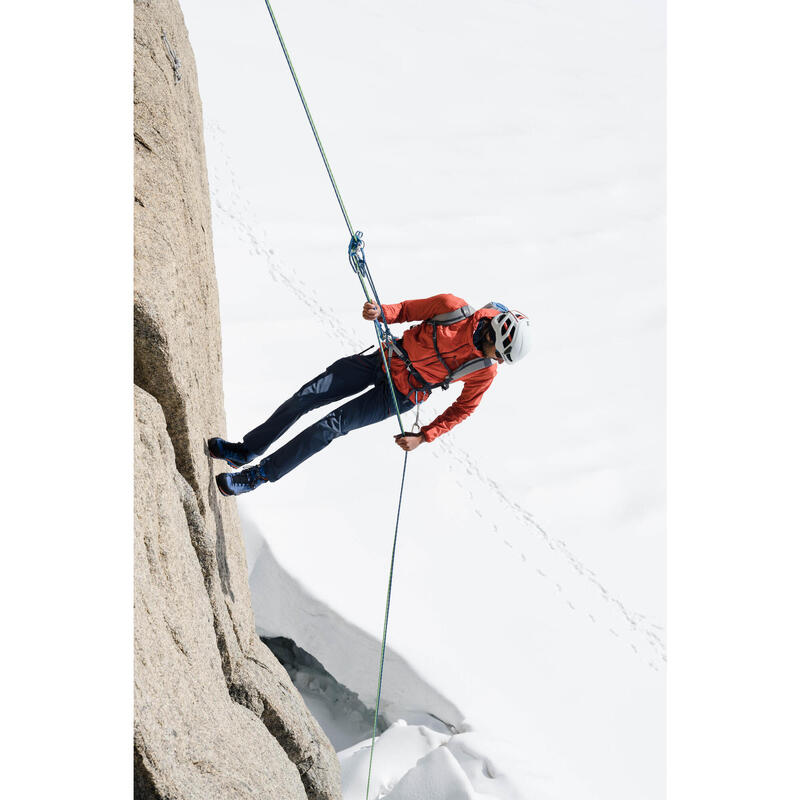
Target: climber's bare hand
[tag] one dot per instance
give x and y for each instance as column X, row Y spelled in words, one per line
column 409, row 441
column 371, row 311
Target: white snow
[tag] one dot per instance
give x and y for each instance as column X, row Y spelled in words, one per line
column 412, row 762
column 511, row 151
column 396, row 752
column 438, row 776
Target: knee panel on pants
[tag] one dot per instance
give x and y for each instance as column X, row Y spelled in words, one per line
column 332, row 425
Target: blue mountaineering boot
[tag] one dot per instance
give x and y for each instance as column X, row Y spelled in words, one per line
column 237, row 455
column 232, row 483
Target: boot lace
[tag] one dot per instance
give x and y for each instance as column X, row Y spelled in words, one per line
column 249, row 477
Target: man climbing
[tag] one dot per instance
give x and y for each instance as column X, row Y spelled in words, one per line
column 453, row 343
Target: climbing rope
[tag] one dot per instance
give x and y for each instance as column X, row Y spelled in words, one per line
column 358, row 261
column 386, row 625
column 310, row 120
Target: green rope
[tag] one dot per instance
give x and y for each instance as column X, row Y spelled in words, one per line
column 338, row 194
column 386, row 624
column 391, row 385
column 310, row 120
column 388, row 378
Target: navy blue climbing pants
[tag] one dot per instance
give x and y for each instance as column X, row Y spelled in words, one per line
column 343, row 378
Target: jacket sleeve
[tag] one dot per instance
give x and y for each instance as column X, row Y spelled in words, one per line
column 417, row 310
column 467, row 402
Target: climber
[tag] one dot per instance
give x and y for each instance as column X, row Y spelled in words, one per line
column 453, row 343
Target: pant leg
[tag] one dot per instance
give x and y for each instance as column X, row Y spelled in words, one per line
column 343, row 378
column 366, row 409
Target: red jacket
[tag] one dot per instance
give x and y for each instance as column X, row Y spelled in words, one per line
column 456, row 347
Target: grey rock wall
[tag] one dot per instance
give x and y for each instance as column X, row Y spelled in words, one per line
column 216, row 716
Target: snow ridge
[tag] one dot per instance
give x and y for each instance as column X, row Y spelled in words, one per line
column 413, row 762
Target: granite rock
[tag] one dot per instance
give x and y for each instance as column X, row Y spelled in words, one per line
column 178, row 372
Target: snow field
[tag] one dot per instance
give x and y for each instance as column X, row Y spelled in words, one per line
column 515, row 154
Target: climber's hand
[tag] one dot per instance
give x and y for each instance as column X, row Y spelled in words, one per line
column 371, row 311
column 409, row 441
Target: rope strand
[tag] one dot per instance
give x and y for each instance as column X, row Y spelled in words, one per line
column 310, row 120
column 386, row 626
column 359, row 264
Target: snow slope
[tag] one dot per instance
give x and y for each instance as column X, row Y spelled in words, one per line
column 514, row 152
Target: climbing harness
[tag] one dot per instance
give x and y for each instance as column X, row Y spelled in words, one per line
column 358, row 261
column 467, row 368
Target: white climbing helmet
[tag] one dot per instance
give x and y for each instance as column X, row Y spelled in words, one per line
column 512, row 335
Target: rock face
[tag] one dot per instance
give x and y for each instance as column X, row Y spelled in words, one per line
column 216, row 716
